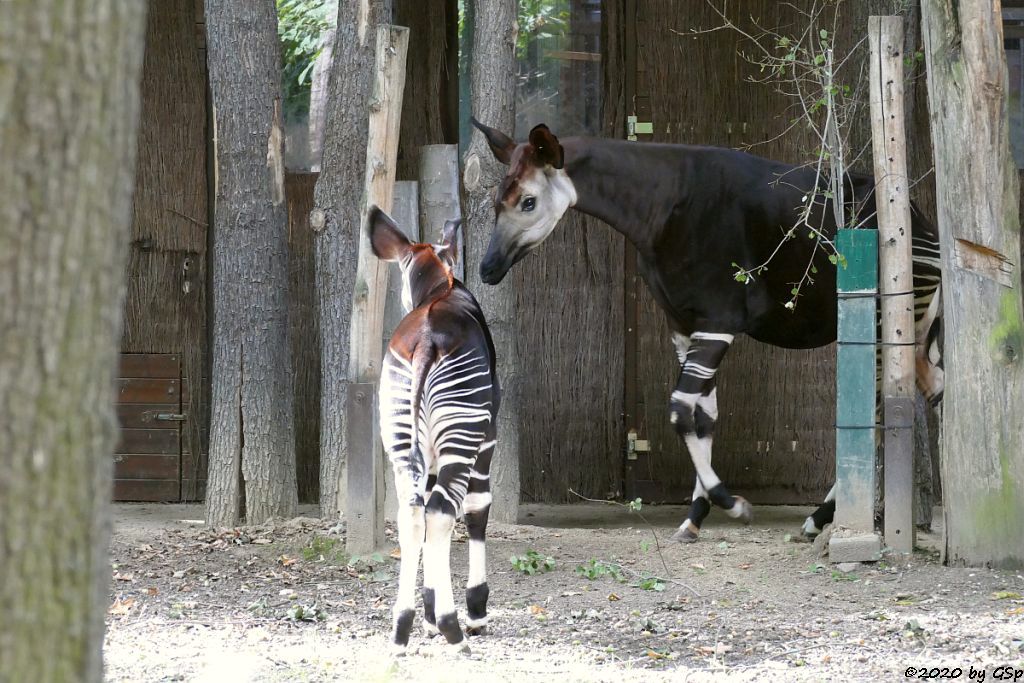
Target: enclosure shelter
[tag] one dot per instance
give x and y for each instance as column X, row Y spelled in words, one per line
column 600, row 361
column 162, row 406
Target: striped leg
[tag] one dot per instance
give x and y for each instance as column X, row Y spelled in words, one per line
column 429, row 620
column 477, row 507
column 694, row 411
column 445, row 500
column 410, row 540
column 825, row 513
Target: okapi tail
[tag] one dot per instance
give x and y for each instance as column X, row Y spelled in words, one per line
column 422, row 360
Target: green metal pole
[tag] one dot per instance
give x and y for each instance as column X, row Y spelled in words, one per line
column 857, row 284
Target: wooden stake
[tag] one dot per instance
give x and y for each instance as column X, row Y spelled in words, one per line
column 364, row 513
column 439, row 196
column 896, row 283
column 405, row 211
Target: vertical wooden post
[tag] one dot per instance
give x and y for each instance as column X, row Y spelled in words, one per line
column 892, row 199
column 854, row 539
column 439, row 196
column 405, row 211
column 364, row 513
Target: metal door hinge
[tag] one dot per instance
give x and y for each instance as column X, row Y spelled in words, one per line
column 634, row 128
column 635, row 445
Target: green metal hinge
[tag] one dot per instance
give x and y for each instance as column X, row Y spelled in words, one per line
column 634, row 128
column 635, row 445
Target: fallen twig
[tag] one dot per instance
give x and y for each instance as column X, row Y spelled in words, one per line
column 657, row 543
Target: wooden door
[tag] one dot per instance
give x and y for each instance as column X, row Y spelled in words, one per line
column 775, row 439
column 148, row 457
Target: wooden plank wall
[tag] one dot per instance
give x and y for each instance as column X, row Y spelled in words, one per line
column 304, row 333
column 165, row 307
column 147, row 458
column 775, row 439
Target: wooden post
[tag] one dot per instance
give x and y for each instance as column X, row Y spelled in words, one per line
column 364, row 511
column 892, row 199
column 439, row 196
column 854, row 539
column 978, row 199
column 405, row 211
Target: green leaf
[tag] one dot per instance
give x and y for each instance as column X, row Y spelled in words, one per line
column 823, row 34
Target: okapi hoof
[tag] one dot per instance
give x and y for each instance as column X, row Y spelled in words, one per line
column 742, row 510
column 429, row 630
column 480, row 630
column 810, row 529
column 687, row 533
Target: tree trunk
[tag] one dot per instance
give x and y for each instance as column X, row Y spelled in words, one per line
column 69, row 104
column 493, row 91
column 336, row 220
column 979, row 224
column 252, row 442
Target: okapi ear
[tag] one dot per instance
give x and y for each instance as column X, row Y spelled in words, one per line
column 549, row 151
column 450, row 239
column 501, row 145
column 389, row 243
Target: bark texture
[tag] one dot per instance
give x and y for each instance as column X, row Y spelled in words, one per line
column 430, row 114
column 492, row 82
column 252, row 442
column 335, row 220
column 69, row 104
column 979, row 224
column 321, row 86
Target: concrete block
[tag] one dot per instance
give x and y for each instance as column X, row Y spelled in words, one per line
column 861, row 548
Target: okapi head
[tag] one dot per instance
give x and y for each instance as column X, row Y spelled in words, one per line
column 535, row 193
column 426, row 268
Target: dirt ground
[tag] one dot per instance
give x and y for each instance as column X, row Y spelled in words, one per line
column 283, row 602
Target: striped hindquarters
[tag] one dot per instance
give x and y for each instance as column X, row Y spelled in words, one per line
column 456, row 419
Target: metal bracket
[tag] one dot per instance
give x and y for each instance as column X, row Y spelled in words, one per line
column 171, row 417
column 635, row 445
column 634, row 128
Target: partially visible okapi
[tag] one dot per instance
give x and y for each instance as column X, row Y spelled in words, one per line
column 698, row 216
column 439, row 399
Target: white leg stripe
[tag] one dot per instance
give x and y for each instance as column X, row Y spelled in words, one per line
column 477, row 563
column 713, row 336
column 476, row 501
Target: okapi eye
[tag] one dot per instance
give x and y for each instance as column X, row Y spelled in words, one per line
column 529, row 204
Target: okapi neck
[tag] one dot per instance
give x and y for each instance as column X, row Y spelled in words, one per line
column 618, row 182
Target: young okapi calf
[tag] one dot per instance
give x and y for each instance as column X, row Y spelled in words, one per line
column 439, row 399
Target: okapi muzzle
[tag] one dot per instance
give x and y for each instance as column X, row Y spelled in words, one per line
column 531, row 199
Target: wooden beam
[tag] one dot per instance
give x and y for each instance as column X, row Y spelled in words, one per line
column 364, row 509
column 405, row 211
column 896, row 282
column 439, row 196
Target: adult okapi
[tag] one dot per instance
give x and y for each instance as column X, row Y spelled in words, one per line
column 696, row 213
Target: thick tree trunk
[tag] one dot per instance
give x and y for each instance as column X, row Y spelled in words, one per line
column 252, row 440
column 493, row 93
column 979, row 224
column 336, row 220
column 69, row 103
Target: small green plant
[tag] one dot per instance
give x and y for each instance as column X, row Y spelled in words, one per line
column 325, row 549
column 532, row 563
column 596, row 569
column 636, row 505
column 306, row 613
column 843, row 576
column 650, row 583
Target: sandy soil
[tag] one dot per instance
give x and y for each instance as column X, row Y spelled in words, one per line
column 283, row 603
